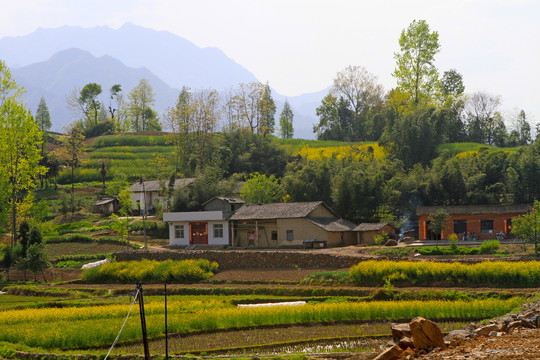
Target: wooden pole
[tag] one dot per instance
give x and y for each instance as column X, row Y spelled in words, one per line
column 166, row 332
column 143, row 323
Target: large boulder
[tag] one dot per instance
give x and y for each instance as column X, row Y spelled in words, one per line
column 426, row 334
column 400, row 331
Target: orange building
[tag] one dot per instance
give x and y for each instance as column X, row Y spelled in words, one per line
column 478, row 221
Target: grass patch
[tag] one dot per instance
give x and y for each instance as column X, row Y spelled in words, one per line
column 457, row 148
column 328, row 278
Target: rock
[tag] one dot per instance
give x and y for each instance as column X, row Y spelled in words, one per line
column 407, row 354
column 485, row 330
column 400, row 331
column 406, row 343
column 458, row 334
column 426, row 334
column 392, row 353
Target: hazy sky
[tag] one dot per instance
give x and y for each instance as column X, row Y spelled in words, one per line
column 299, row 45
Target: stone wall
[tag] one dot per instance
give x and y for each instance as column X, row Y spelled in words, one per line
column 252, row 259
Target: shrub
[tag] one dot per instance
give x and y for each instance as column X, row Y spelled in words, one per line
column 489, row 247
column 452, row 237
column 381, row 238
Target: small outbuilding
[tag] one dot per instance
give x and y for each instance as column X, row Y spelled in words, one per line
column 366, row 232
column 107, row 206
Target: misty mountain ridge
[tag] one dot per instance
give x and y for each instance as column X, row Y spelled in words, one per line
column 67, row 57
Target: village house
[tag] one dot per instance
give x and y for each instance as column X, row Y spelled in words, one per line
column 482, row 222
column 147, row 194
column 366, row 232
column 289, row 225
column 208, row 227
column 227, row 221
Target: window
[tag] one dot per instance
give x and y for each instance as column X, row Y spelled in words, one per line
column 274, row 235
column 179, row 231
column 486, row 226
column 218, row 230
column 290, row 235
column 460, row 226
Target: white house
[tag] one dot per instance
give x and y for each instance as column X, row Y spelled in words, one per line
column 146, row 194
column 209, row 227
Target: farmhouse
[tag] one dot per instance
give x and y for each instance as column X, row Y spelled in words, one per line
column 208, row 227
column 366, row 232
column 147, row 194
column 289, row 224
column 479, row 221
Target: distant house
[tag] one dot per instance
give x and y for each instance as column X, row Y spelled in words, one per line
column 289, row 224
column 479, row 221
column 208, row 227
column 107, row 206
column 147, row 194
column 366, row 232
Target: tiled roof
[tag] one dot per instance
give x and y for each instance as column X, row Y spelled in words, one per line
column 332, row 224
column 474, row 209
column 370, row 226
column 276, row 211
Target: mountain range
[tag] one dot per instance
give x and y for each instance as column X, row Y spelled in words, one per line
column 52, row 62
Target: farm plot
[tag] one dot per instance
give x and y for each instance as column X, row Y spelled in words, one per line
column 96, row 326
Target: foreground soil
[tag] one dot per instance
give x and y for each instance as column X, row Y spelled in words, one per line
column 523, row 344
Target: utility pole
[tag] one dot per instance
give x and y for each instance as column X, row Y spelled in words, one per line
column 141, row 181
column 143, row 323
column 166, row 332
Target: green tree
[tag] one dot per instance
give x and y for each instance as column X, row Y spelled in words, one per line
column 71, row 153
column 438, row 221
column 415, row 71
column 140, row 99
column 452, row 83
column 267, row 108
column 260, row 189
column 24, row 236
column 43, row 117
column 335, row 120
column 286, row 121
column 36, row 260
column 20, row 139
column 527, row 226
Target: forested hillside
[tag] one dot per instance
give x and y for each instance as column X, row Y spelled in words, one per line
column 379, row 154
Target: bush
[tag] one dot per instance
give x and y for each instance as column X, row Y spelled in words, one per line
column 154, row 229
column 489, row 247
column 381, row 238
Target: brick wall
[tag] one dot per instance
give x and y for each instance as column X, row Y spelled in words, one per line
column 250, row 259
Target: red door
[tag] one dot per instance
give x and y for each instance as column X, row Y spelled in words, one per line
column 198, row 233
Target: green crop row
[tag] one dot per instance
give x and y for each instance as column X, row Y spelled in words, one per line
column 186, row 271
column 84, row 327
column 493, row 274
column 129, row 140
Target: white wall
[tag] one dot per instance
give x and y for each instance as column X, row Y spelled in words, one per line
column 211, row 239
